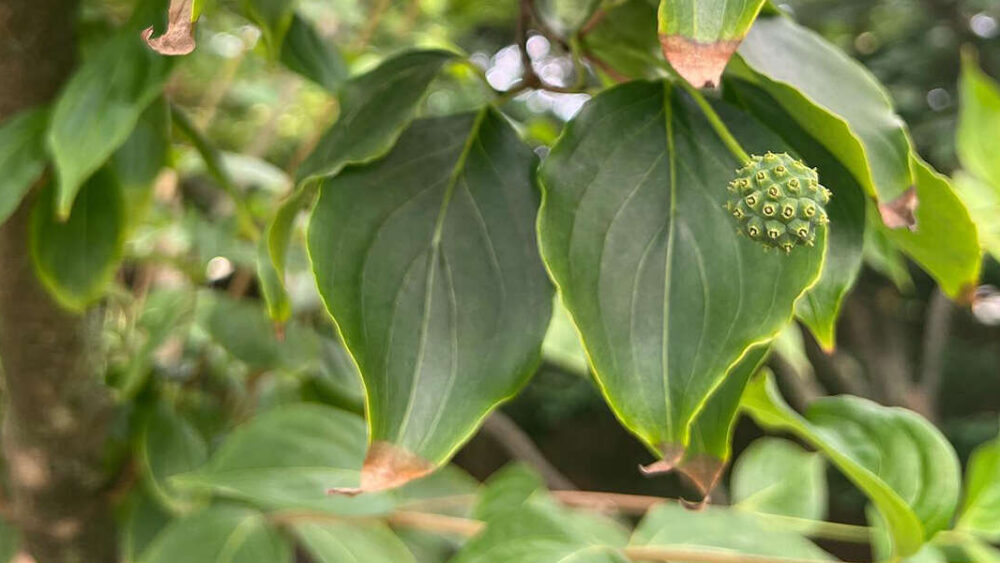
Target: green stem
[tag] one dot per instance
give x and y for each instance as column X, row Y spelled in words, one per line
column 713, row 118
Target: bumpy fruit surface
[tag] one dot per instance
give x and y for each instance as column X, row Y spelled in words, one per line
column 778, row 201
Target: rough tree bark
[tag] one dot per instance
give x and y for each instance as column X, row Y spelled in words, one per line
column 56, row 409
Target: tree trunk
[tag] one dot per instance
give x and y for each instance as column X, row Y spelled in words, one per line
column 57, row 410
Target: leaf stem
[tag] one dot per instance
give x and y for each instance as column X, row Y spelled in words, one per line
column 713, row 118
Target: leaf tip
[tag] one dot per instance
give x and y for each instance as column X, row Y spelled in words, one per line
column 699, row 63
column 387, row 466
column 178, row 39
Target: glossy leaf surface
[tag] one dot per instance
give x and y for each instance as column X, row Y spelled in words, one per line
column 374, row 108
column 820, row 306
column 428, row 263
column 946, row 242
column 777, row 476
column 699, row 36
column 880, row 449
column 666, row 295
column 307, row 53
column 981, row 508
column 835, row 99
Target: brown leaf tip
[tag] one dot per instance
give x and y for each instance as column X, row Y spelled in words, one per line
column 387, row 466
column 901, row 212
column 179, row 37
column 699, row 63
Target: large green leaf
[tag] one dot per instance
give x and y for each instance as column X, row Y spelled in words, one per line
column 138, row 162
column 712, row 429
column 427, row 261
column 722, row 531
column 140, row 519
column 820, row 307
column 168, row 445
column 945, row 243
column 978, row 123
column 699, row 36
column 75, row 259
column 624, row 41
column 981, row 508
column 306, row 53
column 287, row 458
column 363, row 542
column 833, row 98
column 666, row 295
column 98, row 109
column 537, row 530
column 777, row 476
column 220, row 534
column 22, row 156
column 374, row 108
column 904, row 464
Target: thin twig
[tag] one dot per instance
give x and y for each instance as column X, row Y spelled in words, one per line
column 518, row 444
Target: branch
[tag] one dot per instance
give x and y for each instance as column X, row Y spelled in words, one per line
column 937, row 327
column 519, row 445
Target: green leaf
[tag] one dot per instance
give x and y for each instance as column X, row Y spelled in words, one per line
column 142, row 156
column 22, row 156
column 220, row 534
column 624, row 41
column 540, row 531
column 374, row 109
column 287, row 458
column 981, row 509
column 566, row 16
column 699, row 36
column 882, row 255
column 336, row 542
column 242, row 328
column 140, row 520
column 169, row 445
column 719, row 530
column 273, row 17
column 427, row 261
column 279, row 306
column 881, row 450
column 306, row 53
column 562, row 343
column 507, row 489
column 666, row 295
column 75, row 259
column 978, row 123
column 834, row 99
column 712, row 429
column 945, row 243
column 777, row 476
column 98, row 109
column 820, row 307
column 982, row 200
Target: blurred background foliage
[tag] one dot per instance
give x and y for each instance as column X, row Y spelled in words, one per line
column 204, row 337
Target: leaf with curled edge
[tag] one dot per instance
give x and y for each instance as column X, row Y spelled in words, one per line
column 178, row 39
column 698, row 37
column 666, row 295
column 899, row 460
column 427, row 261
